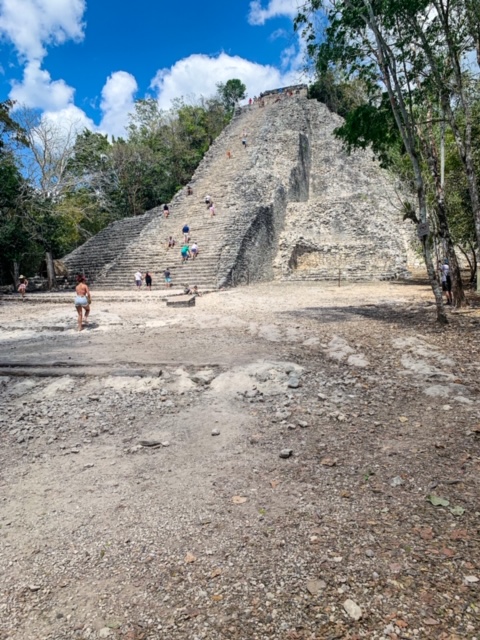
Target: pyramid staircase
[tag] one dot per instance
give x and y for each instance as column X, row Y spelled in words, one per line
column 111, row 258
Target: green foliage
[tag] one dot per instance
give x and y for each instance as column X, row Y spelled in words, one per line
column 231, row 92
column 340, row 95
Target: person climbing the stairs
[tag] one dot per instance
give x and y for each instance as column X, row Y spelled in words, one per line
column 168, row 277
column 186, row 231
column 211, row 208
column 148, row 280
column 185, row 253
column 171, row 242
column 194, row 250
column 208, row 200
column 244, row 139
column 166, row 210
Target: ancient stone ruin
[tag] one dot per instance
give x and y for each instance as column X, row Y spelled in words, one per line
column 292, row 205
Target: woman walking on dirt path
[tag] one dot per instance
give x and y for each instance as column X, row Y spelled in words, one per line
column 22, row 287
column 82, row 302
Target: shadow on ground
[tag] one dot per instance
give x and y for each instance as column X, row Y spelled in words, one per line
column 381, row 312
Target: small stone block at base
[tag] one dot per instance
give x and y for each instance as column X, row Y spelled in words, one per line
column 181, row 301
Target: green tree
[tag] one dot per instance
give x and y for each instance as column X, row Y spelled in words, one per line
column 231, row 92
column 378, row 43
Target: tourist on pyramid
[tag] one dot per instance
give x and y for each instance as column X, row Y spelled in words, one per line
column 211, row 208
column 207, row 200
column 244, row 139
column 189, row 190
column 138, row 279
column 170, row 242
column 168, row 277
column 166, row 210
column 185, row 252
column 82, row 302
column 194, row 250
column 148, row 281
column 186, row 231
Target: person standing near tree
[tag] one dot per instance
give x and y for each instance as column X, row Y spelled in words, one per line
column 446, row 280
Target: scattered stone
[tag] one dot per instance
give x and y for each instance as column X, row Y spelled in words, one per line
column 397, row 481
column 302, row 424
column 34, row 587
column 189, row 558
column 315, row 586
column 293, row 383
column 328, row 462
column 470, row 580
column 286, row 453
column 352, row 608
column 105, row 632
column 369, row 553
column 215, row 432
column 203, row 377
column 358, row 360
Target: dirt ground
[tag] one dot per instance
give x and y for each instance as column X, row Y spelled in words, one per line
column 280, row 461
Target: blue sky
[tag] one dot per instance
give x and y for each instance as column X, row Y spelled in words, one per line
column 86, row 61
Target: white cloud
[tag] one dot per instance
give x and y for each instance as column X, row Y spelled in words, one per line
column 118, row 99
column 38, row 91
column 199, row 74
column 275, row 9
column 71, row 119
column 278, row 33
column 31, row 24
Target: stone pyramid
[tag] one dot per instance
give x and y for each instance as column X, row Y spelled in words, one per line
column 291, row 205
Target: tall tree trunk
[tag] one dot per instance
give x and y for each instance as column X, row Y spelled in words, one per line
column 16, row 274
column 432, row 276
column 406, row 126
column 51, row 278
column 431, row 153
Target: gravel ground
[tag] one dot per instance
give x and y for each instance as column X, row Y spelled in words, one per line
column 280, row 461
